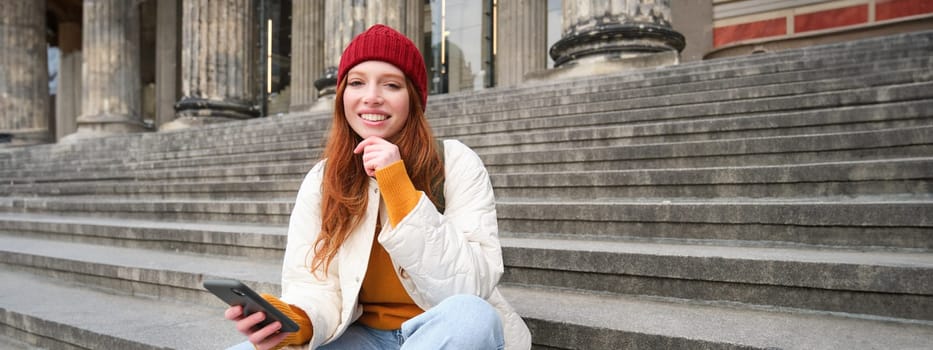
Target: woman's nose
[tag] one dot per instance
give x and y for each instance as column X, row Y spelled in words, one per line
column 372, row 96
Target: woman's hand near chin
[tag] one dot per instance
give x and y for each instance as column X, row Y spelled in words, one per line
column 377, row 154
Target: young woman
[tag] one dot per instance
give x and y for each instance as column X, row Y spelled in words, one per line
column 379, row 254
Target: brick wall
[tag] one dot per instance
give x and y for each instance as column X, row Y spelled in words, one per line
column 741, row 20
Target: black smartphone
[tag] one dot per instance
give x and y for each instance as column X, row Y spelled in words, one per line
column 234, row 292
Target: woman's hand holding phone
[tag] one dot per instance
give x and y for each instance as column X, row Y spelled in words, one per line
column 265, row 324
column 264, row 338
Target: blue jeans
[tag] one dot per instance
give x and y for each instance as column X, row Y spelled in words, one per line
column 458, row 322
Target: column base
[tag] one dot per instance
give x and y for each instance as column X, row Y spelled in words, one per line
column 101, row 125
column 323, row 103
column 84, row 134
column 187, row 122
column 24, row 138
column 601, row 65
column 196, row 107
column 616, row 41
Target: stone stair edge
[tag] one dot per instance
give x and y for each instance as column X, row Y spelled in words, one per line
column 71, row 257
column 786, row 143
column 490, row 104
column 860, row 96
column 494, row 93
column 559, row 317
column 107, row 320
column 107, row 171
column 894, row 100
column 888, row 137
column 706, row 98
column 214, row 145
column 903, row 211
column 915, row 168
column 522, row 297
column 730, row 63
column 909, row 38
column 204, row 130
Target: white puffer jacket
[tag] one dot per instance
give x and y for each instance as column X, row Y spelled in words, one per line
column 435, row 255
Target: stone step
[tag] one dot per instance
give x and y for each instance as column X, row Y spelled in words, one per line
column 741, row 126
column 221, row 239
column 58, row 315
column 10, row 339
column 702, row 70
column 306, row 139
column 853, row 71
column 134, row 271
column 204, row 189
column 603, row 115
column 885, row 143
column 836, row 83
column 910, row 114
column 252, row 168
column 290, row 134
column 556, row 317
column 615, row 97
column 888, row 176
column 892, row 284
column 866, row 281
column 889, row 143
column 268, row 211
column 561, row 319
column 898, row 114
column 323, row 118
column 771, row 150
column 613, row 112
column 113, row 161
column 711, row 272
column 902, row 221
column 173, row 277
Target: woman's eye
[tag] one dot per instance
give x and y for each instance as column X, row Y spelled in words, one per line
column 355, row 83
column 394, row 86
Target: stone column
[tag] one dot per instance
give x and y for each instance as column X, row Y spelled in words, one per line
column 521, row 39
column 617, row 35
column 110, row 98
column 346, row 19
column 215, row 67
column 24, row 77
column 68, row 96
column 307, row 54
column 412, row 22
column 168, row 57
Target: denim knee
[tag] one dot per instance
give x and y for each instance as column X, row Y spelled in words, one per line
column 458, row 322
column 469, row 309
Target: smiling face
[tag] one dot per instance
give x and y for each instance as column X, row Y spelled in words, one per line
column 375, row 101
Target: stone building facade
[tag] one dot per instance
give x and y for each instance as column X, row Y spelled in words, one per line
column 148, row 65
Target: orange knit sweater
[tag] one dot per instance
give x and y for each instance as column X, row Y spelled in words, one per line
column 385, row 302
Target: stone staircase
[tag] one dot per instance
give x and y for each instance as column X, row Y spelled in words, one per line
column 772, row 201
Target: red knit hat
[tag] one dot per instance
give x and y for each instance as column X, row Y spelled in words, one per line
column 382, row 43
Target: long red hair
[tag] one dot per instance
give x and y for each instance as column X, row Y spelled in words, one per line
column 344, row 199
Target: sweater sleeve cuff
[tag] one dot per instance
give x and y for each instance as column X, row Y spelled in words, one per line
column 397, row 190
column 304, row 333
